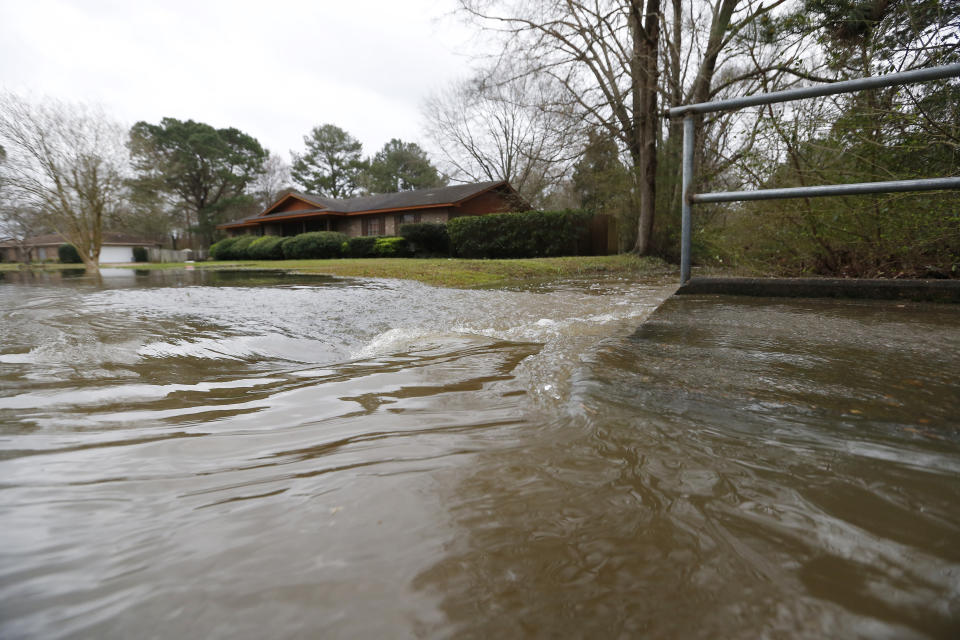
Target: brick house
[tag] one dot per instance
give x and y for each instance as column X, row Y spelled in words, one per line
column 377, row 215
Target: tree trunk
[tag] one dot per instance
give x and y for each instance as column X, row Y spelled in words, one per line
column 89, row 264
column 674, row 146
column 643, row 148
column 703, row 84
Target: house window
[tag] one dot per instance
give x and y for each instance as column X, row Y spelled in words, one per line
column 317, row 225
column 406, row 218
column 373, row 226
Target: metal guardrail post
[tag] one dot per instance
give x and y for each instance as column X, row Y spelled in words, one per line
column 685, row 195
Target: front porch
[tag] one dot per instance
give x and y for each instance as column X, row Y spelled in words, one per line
column 296, row 227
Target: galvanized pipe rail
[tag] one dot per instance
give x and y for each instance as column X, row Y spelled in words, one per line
column 733, row 104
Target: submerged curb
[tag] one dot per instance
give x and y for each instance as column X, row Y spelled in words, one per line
column 921, row 290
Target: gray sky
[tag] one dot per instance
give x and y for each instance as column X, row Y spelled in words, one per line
column 272, row 68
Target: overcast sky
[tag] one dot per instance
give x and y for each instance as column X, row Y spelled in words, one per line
column 272, row 68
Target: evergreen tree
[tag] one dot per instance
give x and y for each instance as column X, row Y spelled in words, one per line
column 602, row 184
column 599, row 177
column 332, row 165
column 867, row 37
column 206, row 169
column 401, row 166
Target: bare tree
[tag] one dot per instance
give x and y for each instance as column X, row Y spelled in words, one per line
column 618, row 59
column 728, row 48
column 68, row 162
column 604, row 54
column 493, row 127
column 268, row 186
column 150, row 212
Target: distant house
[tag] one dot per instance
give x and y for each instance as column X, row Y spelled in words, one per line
column 377, row 215
column 115, row 247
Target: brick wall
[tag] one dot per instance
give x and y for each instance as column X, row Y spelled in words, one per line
column 351, row 226
column 489, row 202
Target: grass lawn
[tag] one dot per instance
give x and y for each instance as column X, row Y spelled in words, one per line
column 444, row 272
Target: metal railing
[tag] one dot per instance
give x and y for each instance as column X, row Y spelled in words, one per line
column 848, row 86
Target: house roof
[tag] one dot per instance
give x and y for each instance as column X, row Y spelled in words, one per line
column 107, row 238
column 419, row 199
column 409, row 199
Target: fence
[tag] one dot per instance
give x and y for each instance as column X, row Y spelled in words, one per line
column 155, row 254
column 689, row 111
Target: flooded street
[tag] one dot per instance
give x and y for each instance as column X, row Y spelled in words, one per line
column 250, row 455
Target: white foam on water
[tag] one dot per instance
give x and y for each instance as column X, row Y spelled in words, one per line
column 239, row 348
column 82, row 349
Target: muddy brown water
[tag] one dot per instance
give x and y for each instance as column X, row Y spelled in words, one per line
column 191, row 454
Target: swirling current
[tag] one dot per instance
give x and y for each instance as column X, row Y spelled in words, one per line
column 250, row 455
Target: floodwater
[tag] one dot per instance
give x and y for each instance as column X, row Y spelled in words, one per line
column 248, row 455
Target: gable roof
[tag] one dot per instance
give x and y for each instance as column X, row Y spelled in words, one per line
column 321, row 202
column 440, row 196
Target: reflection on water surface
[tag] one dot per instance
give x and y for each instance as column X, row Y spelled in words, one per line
column 210, row 454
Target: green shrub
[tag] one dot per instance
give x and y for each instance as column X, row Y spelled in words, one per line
column 391, row 247
column 266, row 248
column 361, row 246
column 240, row 250
column 427, row 238
column 140, row 254
column 68, row 254
column 531, row 234
column 235, row 248
column 221, row 250
column 313, row 245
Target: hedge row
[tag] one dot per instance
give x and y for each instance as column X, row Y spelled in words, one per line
column 312, row 245
column 427, row 238
column 531, row 234
column 316, row 244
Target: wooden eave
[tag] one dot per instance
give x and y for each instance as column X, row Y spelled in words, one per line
column 235, row 225
column 284, row 198
column 279, row 217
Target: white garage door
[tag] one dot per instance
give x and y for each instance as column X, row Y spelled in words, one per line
column 116, row 254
